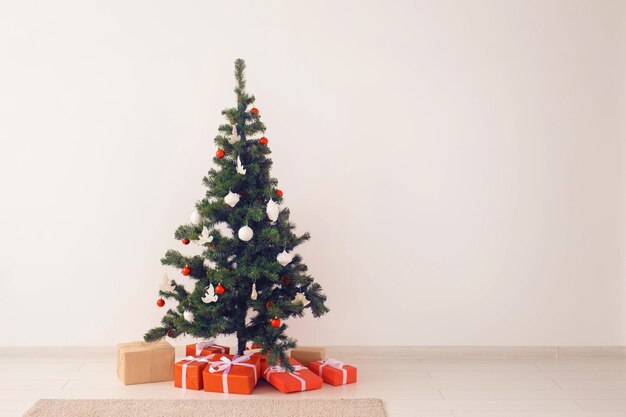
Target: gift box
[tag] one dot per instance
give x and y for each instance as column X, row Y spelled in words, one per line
column 308, row 354
column 205, row 348
column 253, row 347
column 302, row 379
column 232, row 374
column 334, row 372
column 188, row 371
column 143, row 362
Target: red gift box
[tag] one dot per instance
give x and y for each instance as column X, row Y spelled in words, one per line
column 188, row 372
column 334, row 372
column 302, row 379
column 205, row 348
column 232, row 374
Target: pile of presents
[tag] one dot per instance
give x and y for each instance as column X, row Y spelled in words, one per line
column 210, row 367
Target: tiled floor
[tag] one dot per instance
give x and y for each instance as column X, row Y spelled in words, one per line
column 410, row 382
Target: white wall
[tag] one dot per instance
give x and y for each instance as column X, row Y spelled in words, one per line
column 460, row 165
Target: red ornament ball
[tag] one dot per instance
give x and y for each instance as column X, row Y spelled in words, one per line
column 254, row 111
column 263, row 141
column 220, row 153
column 285, row 279
column 269, row 304
column 275, row 322
column 160, row 302
column 219, row 290
column 185, row 241
column 170, row 333
column 279, row 193
column 186, row 270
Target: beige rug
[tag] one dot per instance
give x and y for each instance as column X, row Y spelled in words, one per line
column 369, row 407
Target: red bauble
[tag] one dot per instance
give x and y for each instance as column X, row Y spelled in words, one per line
column 170, row 333
column 160, row 302
column 285, row 279
column 269, row 304
column 279, row 193
column 220, row 153
column 254, row 111
column 263, row 141
column 275, row 322
column 219, row 290
column 186, row 270
column 185, row 241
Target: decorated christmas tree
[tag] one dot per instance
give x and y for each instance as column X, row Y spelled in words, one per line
column 247, row 279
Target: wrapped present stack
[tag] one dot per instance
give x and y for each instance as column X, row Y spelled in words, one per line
column 210, row 367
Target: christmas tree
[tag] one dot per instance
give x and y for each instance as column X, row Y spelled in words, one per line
column 247, row 279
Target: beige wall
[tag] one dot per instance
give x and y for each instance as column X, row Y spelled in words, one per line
column 460, row 165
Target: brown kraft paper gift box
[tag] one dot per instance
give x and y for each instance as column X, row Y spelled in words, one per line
column 308, row 354
column 142, row 362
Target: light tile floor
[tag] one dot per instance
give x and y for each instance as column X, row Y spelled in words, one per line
column 410, row 383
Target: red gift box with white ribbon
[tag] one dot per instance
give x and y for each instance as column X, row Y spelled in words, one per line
column 232, row 374
column 301, row 379
column 205, row 348
column 188, row 371
column 334, row 372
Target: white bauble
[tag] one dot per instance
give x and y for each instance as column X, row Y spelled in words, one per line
column 195, row 217
column 284, row 258
column 188, row 315
column 234, row 136
column 272, row 210
column 232, row 199
column 245, row 233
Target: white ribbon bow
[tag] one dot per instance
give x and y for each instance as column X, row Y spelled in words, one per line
column 208, row 343
column 334, row 363
column 278, row 369
column 190, row 359
column 225, row 364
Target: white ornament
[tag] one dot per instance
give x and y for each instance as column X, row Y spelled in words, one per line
column 207, row 263
column 254, row 293
column 165, row 284
column 196, row 217
column 284, row 258
column 240, row 169
column 234, row 265
column 209, row 296
column 234, row 136
column 188, row 315
column 300, row 298
column 205, row 237
column 245, row 233
column 272, row 210
column 231, row 199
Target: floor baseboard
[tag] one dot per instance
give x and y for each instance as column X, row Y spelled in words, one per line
column 419, row 352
